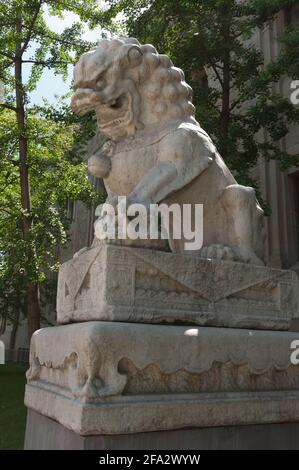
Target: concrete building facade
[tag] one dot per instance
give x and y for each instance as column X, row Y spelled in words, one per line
column 281, row 189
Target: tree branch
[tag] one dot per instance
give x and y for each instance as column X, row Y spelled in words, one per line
column 215, row 108
column 235, row 103
column 45, row 63
column 55, row 37
column 7, row 212
column 31, row 26
column 8, row 106
column 8, row 56
column 216, row 72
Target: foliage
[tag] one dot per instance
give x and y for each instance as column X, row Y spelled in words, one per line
column 40, row 165
column 237, row 103
column 57, row 175
column 12, row 408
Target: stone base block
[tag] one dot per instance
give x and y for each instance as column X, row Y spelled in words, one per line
column 43, row 433
column 114, row 283
column 121, row 378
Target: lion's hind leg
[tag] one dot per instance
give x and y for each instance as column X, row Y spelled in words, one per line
column 243, row 215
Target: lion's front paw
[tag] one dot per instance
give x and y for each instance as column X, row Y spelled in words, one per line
column 219, row 252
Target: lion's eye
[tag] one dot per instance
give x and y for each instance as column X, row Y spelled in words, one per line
column 100, row 84
column 116, row 104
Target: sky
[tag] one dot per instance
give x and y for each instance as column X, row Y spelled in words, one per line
column 50, row 86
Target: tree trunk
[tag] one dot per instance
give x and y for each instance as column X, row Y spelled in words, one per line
column 13, row 334
column 225, row 110
column 33, row 309
column 225, row 106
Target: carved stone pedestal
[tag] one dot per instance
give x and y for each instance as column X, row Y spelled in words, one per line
column 116, row 283
column 116, row 370
column 103, row 378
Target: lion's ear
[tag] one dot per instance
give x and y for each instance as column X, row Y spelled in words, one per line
column 131, row 55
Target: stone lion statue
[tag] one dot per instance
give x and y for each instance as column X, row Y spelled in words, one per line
column 157, row 152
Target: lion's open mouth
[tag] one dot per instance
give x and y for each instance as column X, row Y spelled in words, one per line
column 116, row 115
column 113, row 112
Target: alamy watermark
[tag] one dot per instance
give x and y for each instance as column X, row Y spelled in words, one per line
column 295, row 92
column 154, row 221
column 295, row 353
column 2, row 353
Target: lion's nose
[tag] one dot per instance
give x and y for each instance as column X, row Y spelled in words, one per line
column 85, row 100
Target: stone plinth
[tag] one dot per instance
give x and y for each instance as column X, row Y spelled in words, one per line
column 114, row 283
column 117, row 378
column 43, row 433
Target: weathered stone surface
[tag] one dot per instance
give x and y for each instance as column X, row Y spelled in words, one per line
column 43, row 433
column 138, row 285
column 102, row 377
column 157, row 152
column 127, row 415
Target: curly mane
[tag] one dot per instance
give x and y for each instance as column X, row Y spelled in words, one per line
column 162, row 86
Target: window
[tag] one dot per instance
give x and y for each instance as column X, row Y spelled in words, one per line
column 71, row 209
column 294, row 218
column 296, row 205
column 200, row 76
column 292, row 15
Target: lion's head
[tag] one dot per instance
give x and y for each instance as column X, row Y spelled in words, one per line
column 130, row 86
